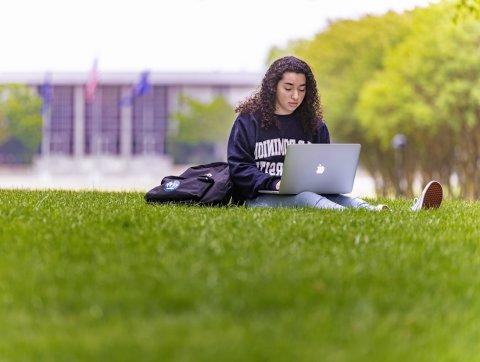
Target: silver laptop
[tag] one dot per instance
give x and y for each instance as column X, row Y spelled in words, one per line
column 320, row 168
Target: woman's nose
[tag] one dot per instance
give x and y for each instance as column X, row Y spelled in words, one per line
column 295, row 95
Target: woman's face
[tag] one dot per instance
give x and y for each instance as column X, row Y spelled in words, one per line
column 290, row 92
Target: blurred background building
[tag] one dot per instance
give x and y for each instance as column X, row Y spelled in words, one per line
column 115, row 124
column 116, row 136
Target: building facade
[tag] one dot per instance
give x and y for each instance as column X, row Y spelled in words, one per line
column 76, row 128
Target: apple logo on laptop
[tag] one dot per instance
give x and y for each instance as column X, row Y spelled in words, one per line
column 320, row 169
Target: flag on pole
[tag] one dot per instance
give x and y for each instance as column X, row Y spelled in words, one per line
column 46, row 92
column 142, row 87
column 92, row 83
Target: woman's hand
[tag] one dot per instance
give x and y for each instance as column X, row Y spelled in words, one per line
column 277, row 186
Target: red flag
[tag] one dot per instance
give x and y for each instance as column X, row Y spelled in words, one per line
column 92, row 83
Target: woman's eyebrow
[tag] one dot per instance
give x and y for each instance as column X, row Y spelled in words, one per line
column 301, row 85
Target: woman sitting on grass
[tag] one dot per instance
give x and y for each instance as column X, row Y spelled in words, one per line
column 287, row 106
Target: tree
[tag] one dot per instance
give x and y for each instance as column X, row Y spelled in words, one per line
column 343, row 57
column 429, row 90
column 414, row 73
column 20, row 117
column 4, row 131
column 203, row 122
column 200, row 126
column 467, row 9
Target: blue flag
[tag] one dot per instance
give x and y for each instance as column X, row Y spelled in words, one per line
column 142, row 87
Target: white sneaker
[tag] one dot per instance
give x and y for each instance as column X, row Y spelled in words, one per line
column 430, row 198
column 381, row 207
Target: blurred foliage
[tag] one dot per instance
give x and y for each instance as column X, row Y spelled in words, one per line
column 20, row 117
column 415, row 73
column 200, row 129
column 4, row 131
column 467, row 9
column 429, row 90
column 203, row 122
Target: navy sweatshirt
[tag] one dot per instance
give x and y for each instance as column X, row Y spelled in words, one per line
column 255, row 155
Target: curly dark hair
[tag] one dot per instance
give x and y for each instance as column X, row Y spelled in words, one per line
column 262, row 101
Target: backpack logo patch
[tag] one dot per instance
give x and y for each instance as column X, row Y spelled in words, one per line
column 171, row 185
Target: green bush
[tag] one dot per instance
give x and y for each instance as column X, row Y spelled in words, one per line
column 415, row 74
column 20, row 122
column 200, row 130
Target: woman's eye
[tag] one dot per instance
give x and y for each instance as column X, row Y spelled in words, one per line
column 288, row 89
column 302, row 90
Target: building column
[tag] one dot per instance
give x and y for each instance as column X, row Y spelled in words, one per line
column 126, row 124
column 173, row 104
column 78, row 122
column 46, row 117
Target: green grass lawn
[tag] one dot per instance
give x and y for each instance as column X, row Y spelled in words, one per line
column 103, row 276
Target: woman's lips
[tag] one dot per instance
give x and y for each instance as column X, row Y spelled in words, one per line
column 293, row 104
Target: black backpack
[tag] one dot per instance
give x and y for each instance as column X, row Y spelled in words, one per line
column 208, row 184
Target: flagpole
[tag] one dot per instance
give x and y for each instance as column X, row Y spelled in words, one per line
column 139, row 90
column 96, row 123
column 47, row 97
column 147, row 124
column 96, row 106
column 150, row 120
column 143, row 127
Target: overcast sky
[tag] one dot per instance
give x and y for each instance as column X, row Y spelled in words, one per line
column 171, row 35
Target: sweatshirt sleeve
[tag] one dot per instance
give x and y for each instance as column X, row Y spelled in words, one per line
column 240, row 155
column 323, row 136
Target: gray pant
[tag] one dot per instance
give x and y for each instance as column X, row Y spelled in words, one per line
column 309, row 199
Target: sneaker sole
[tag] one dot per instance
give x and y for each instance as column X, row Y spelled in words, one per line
column 433, row 196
